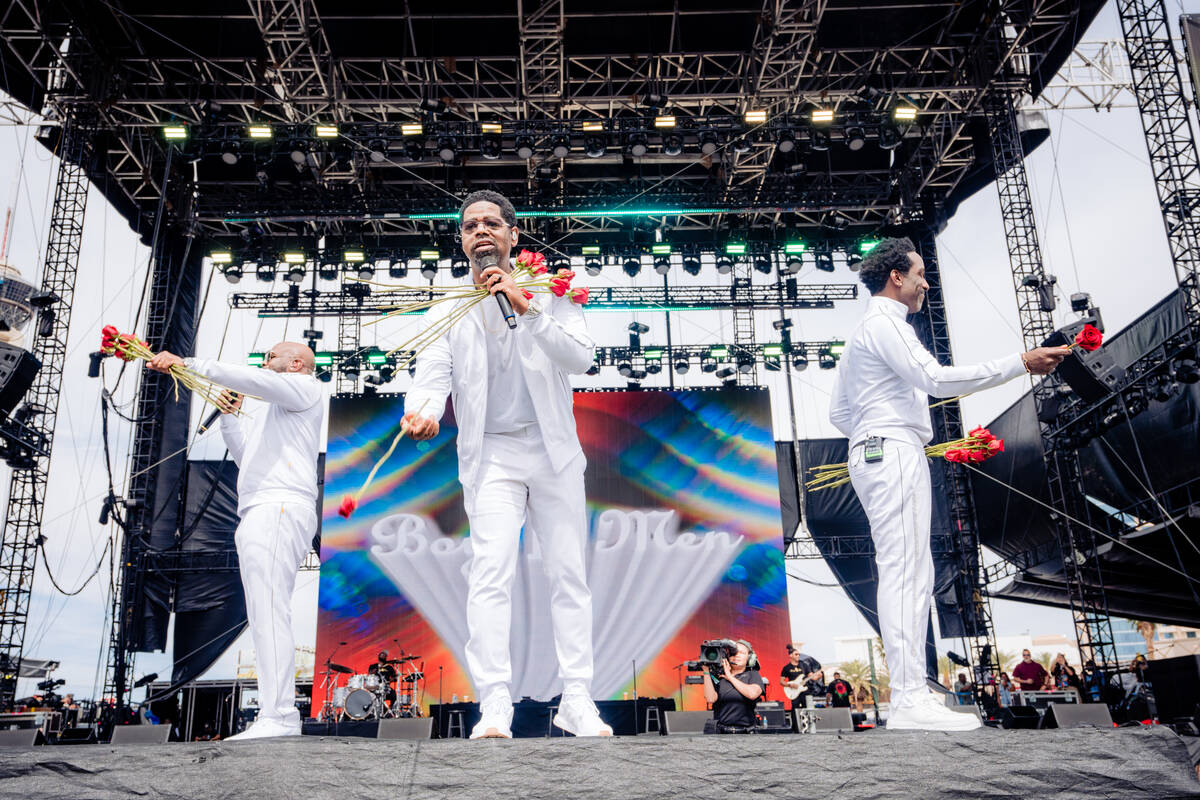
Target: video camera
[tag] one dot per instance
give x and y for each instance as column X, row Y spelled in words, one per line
column 712, row 653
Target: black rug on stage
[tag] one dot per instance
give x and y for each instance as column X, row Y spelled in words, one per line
column 1082, row 763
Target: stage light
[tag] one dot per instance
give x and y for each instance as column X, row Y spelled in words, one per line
column 229, row 151
column 727, row 374
column 708, row 143
column 365, row 270
column 691, row 265
column 853, row 261
column 260, row 131
column 414, row 149
column 632, row 266
column 459, row 267
column 524, row 147
column 429, row 270
column 836, row 348
column 326, row 131
column 655, row 100
column 255, row 359
column 377, row 150
column 1081, row 302
column 558, row 264
column 433, row 105
column 672, row 144
column 1186, row 371
column 741, row 145
column 745, row 363
column 592, row 265
column 682, row 366
column 735, row 248
column 560, row 146
column 708, row 364
column 232, row 272
column 800, row 360
column 792, row 251
column 594, row 369
column 299, row 151
column 295, row 273
column 265, row 272
column 624, row 369
column 818, row 140
column 661, row 249
column 724, row 265
column 328, row 267
column 826, row 360
column 664, row 121
column 175, row 133
column 824, row 261
column 756, row 117
column 821, row 116
column 785, row 141
column 718, row 351
column 889, row 137
column 293, row 257
column 904, row 113
column 447, row 149
column 662, row 265
column 1164, row 388
column 398, row 269
column 221, row 257
column 491, row 127
column 595, row 146
column 763, row 265
column 782, row 324
column 490, row 147
column 653, row 356
column 637, row 144
column 411, row 129
column 592, row 126
column 856, row 137
column 867, row 245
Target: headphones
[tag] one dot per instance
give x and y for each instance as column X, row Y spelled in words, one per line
column 752, row 657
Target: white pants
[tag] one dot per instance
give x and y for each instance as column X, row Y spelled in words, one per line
column 895, row 493
column 516, row 482
column 272, row 540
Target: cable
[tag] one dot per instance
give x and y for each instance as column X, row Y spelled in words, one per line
column 82, row 586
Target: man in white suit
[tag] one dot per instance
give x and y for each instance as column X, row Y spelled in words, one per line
column 517, row 460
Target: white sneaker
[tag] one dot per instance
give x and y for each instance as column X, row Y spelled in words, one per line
column 929, row 713
column 265, row 729
column 496, row 719
column 577, row 714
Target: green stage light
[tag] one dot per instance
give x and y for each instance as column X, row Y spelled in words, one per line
column 836, row 348
column 323, row 359
column 867, row 245
column 661, row 249
column 735, row 249
column 795, row 247
column 591, row 250
column 430, row 255
column 353, row 256
column 221, row 257
column 377, row 358
column 720, row 351
column 175, row 132
column 256, row 359
column 772, row 350
column 653, row 353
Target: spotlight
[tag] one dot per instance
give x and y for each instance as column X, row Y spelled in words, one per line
column 856, row 137
column 447, row 149
column 229, row 151
column 365, row 270
column 691, row 265
column 295, row 273
column 794, row 263
column 826, row 359
column 818, row 140
column 786, row 141
column 560, row 146
column 232, row 272
column 724, row 265
column 1081, row 302
column 708, row 143
column 708, row 364
column 429, row 270
column 1164, row 388
column 592, row 265
column 524, row 147
column 639, row 328
column 1186, row 371
column 654, row 365
column 266, row 271
column 490, row 147
column 655, row 100
column 825, row 261
column 889, row 137
column 624, row 369
column 662, row 265
column 672, row 144
column 459, row 267
column 327, row 270
column 741, row 145
column 377, row 150
column 637, row 144
column 682, row 366
column 632, row 266
column 594, row 369
column 854, row 261
column 433, row 105
column 414, row 149
column 299, row 149
column 800, row 360
column 595, row 146
column 727, row 374
column 904, row 113
column 745, row 363
column 398, row 269
column 763, row 265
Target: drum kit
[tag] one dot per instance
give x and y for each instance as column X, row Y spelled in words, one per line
column 387, row 689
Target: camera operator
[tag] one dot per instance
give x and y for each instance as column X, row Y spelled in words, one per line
column 734, row 691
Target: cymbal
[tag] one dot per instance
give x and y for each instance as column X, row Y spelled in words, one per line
column 402, row 659
column 339, row 668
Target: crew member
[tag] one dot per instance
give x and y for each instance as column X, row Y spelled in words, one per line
column 734, row 694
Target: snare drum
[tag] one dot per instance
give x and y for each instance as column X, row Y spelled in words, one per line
column 372, row 682
column 357, row 681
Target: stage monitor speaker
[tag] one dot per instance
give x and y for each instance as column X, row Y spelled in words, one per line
column 420, row 728
column 1176, row 683
column 141, row 734
column 1018, row 717
column 1189, row 26
column 17, row 370
column 22, row 737
column 685, row 722
column 1076, row 715
column 1093, row 376
column 828, row 720
column 76, row 736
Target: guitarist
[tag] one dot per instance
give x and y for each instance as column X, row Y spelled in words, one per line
column 797, row 675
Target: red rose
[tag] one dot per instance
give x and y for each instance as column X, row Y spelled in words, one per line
column 996, row 446
column 110, row 332
column 348, row 506
column 981, row 433
column 559, row 287
column 979, row 455
column 580, row 295
column 957, row 456
column 565, row 274
column 524, row 257
column 1089, row 339
column 528, row 295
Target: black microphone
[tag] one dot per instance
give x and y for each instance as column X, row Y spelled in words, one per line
column 204, row 426
column 506, row 309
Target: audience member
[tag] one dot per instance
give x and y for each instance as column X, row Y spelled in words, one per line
column 1030, row 675
column 839, row 691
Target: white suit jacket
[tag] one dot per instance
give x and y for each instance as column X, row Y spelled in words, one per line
column 553, row 343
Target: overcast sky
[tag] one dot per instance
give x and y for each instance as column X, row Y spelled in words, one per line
column 1100, row 232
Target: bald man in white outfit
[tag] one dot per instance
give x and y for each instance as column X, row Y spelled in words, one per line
column 275, row 446
column 518, row 458
column 881, row 404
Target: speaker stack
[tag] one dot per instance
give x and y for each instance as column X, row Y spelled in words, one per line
column 1093, row 376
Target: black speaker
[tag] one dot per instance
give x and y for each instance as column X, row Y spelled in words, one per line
column 420, row 728
column 1093, row 376
column 1018, row 717
column 827, row 720
column 76, row 736
column 1176, row 683
column 141, row 734
column 22, row 737
column 17, row 369
column 1076, row 715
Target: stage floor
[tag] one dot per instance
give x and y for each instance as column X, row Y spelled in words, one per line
column 1081, row 763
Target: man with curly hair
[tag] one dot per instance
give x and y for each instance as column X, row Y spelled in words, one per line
column 517, row 459
column 881, row 404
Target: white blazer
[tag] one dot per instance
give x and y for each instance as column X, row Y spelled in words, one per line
column 552, row 341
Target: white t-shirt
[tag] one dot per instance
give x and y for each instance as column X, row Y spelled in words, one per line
column 509, row 403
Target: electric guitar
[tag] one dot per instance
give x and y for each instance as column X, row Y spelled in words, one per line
column 792, row 689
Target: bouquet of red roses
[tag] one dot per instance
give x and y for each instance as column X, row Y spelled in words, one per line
column 128, row 347
column 977, row 446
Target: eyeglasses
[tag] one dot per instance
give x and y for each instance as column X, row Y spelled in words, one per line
column 491, row 223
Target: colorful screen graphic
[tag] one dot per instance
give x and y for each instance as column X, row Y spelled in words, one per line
column 685, row 544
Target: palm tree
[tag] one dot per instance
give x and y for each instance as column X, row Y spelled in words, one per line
column 1006, row 660
column 1045, row 659
column 1147, row 630
column 944, row 669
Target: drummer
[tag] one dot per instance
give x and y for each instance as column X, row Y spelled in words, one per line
column 386, row 670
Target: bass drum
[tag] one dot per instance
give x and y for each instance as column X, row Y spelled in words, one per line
column 358, row 704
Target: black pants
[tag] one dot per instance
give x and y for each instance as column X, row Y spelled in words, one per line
column 712, row 726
